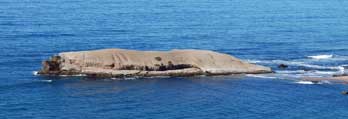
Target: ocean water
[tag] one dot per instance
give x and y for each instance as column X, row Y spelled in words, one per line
column 308, row 35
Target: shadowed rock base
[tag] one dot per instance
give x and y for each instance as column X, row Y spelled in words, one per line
column 130, row 63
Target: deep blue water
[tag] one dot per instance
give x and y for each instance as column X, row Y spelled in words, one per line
column 267, row 32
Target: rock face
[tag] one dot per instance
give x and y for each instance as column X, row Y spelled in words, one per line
column 131, row 63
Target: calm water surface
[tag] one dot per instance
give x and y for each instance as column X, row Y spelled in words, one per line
column 266, row 32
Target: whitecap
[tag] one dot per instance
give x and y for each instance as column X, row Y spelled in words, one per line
column 114, row 78
column 130, row 78
column 305, row 82
column 260, row 76
column 321, row 56
column 35, row 73
column 302, row 73
column 77, row 75
column 296, row 63
column 254, row 61
column 324, row 72
column 124, row 78
column 48, row 81
column 325, row 82
column 291, row 72
column 260, row 61
column 313, row 82
column 304, row 62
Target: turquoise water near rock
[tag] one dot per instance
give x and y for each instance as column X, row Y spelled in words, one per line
column 308, row 35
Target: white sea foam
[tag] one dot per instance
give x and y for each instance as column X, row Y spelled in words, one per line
column 291, row 72
column 48, row 81
column 260, row 76
column 254, row 61
column 325, row 82
column 313, row 82
column 77, row 75
column 340, row 58
column 315, row 71
column 130, row 78
column 125, row 78
column 321, row 56
column 324, row 72
column 294, row 63
column 342, row 69
column 35, row 73
column 302, row 73
column 305, row 82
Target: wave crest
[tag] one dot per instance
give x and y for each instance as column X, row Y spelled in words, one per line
column 321, row 56
column 305, row 82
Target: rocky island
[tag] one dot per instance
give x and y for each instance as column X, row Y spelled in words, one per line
column 130, row 63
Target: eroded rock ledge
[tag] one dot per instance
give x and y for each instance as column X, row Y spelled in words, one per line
column 131, row 63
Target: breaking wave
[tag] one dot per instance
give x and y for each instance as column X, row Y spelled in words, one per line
column 321, row 56
column 313, row 82
column 294, row 63
column 312, row 72
column 35, row 73
column 48, row 81
column 291, row 71
column 298, row 69
column 305, row 82
column 260, row 76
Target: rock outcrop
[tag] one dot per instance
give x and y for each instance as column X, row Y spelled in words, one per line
column 338, row 79
column 131, row 63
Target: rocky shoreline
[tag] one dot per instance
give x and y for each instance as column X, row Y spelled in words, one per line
column 131, row 63
column 341, row 78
